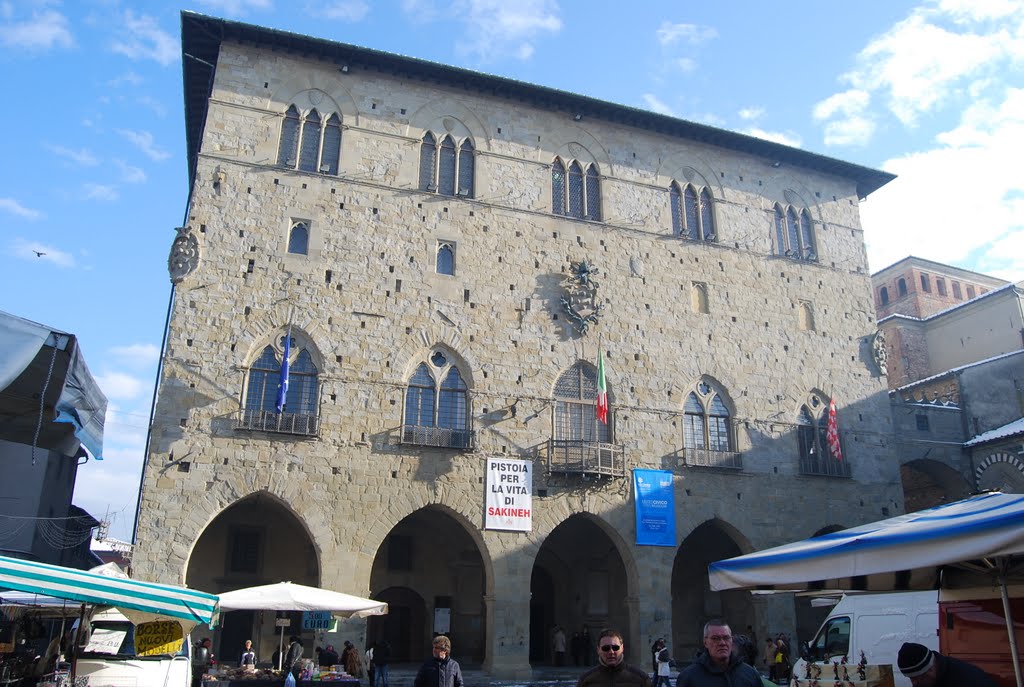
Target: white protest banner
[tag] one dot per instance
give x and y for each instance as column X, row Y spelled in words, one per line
column 509, row 495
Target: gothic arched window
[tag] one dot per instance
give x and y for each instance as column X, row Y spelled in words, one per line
column 299, row 412
column 706, row 420
column 437, row 405
column 575, row 414
column 446, row 168
column 812, row 432
column 794, row 233
column 310, row 142
column 575, row 191
column 692, row 213
column 298, row 239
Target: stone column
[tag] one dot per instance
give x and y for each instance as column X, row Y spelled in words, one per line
column 508, row 633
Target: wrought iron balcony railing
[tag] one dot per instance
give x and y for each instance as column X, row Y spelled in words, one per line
column 581, row 457
column 823, row 466
column 441, row 437
column 706, row 458
column 281, row 423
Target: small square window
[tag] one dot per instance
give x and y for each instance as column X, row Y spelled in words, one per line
column 298, row 238
column 446, row 257
column 923, row 425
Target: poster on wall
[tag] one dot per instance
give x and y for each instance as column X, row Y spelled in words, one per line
column 655, row 508
column 509, row 497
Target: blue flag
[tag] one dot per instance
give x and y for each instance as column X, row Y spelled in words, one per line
column 282, row 386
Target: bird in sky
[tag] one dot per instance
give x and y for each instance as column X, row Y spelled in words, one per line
column 38, row 253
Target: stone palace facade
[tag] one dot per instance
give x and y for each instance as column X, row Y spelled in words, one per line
column 441, row 254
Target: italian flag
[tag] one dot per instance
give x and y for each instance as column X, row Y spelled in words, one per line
column 602, row 389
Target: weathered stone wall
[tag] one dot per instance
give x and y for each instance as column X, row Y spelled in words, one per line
column 500, row 317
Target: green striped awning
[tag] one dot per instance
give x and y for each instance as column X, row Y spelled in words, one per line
column 165, row 600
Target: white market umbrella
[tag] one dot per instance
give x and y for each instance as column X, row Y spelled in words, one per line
column 287, row 596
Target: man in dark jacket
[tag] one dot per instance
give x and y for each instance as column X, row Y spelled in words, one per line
column 441, row 670
column 717, row 666
column 381, row 661
column 291, row 659
column 612, row 669
column 927, row 668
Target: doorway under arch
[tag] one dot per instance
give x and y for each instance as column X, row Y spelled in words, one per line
column 693, row 602
column 927, row 483
column 435, row 572
column 578, row 581
column 256, row 540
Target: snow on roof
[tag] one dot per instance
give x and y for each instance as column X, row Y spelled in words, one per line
column 954, row 370
column 1015, row 427
column 114, row 545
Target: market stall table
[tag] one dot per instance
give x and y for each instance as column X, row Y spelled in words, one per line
column 261, row 682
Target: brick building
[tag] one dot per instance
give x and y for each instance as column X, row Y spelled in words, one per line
column 440, row 255
column 919, row 288
column 954, row 343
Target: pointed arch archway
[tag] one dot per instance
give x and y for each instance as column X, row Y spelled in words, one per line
column 693, row 602
column 432, row 572
column 579, row 580
column 256, row 540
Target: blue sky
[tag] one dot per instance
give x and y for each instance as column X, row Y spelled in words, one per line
column 96, row 174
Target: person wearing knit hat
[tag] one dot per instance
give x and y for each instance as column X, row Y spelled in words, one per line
column 927, row 668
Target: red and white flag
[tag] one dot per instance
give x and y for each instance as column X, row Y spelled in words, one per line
column 832, row 435
column 602, row 389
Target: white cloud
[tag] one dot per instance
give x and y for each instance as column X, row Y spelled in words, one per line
column 785, row 138
column 15, row 208
column 153, row 104
column 34, row 250
column 82, row 156
column 692, row 34
column 142, row 39
column 917, row 63
column 129, row 173
column 43, row 31
column 656, row 105
column 751, row 113
column 235, row 7
column 109, row 488
column 341, row 10
column 136, row 355
column 120, row 386
column 103, row 192
column 128, row 78
column 962, row 200
column 143, row 140
column 501, row 28
column 686, row 64
column 420, row 10
column 846, row 117
column 944, row 52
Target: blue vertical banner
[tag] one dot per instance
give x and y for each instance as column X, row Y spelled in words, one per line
column 655, row 508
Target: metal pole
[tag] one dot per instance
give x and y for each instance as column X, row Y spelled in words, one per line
column 280, row 650
column 1011, row 633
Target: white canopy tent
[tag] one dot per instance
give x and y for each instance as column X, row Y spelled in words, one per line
column 287, row 596
column 975, row 542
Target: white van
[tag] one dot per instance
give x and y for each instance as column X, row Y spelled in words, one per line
column 108, row 656
column 878, row 625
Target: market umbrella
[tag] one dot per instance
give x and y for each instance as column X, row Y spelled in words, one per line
column 139, row 601
column 975, row 542
column 287, row 596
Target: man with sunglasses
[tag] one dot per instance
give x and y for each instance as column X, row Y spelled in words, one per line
column 718, row 666
column 612, row 669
